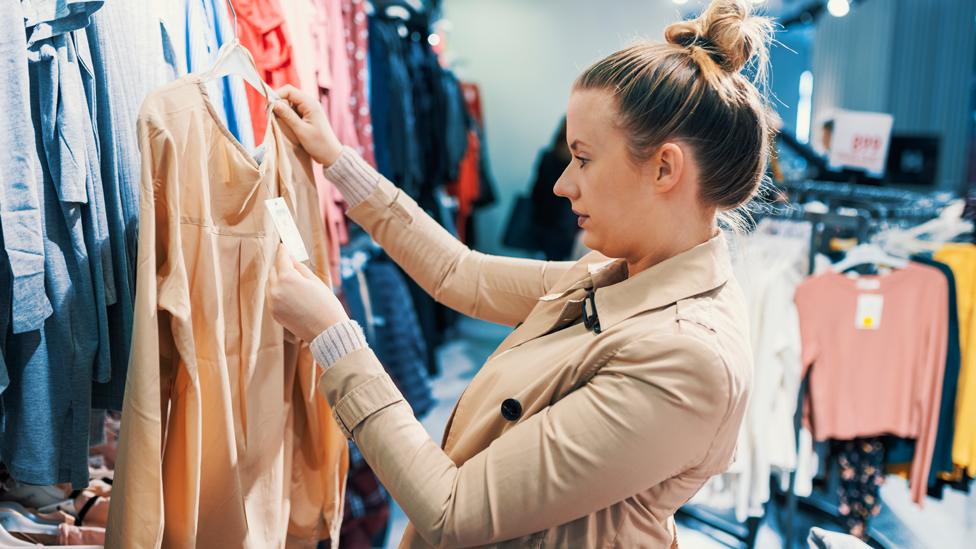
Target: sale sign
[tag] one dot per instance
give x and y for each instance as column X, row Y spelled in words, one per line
column 860, row 141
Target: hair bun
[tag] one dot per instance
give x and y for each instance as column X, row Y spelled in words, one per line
column 728, row 31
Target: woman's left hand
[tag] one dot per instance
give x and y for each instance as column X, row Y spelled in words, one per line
column 300, row 301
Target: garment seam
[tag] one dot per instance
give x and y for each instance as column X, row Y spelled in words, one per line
column 216, row 229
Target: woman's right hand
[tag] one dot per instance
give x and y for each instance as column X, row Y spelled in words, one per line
column 303, row 114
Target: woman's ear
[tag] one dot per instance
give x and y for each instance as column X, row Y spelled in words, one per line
column 667, row 166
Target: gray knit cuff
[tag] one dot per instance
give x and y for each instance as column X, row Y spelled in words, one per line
column 338, row 341
column 354, row 177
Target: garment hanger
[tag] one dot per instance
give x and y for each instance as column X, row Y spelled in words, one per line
column 16, row 507
column 234, row 59
column 13, row 521
column 931, row 235
column 868, row 254
column 8, row 541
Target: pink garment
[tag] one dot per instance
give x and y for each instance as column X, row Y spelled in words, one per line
column 335, row 90
column 302, row 18
column 887, row 380
column 334, row 70
column 356, row 27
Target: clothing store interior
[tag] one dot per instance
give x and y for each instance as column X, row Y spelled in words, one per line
column 856, row 260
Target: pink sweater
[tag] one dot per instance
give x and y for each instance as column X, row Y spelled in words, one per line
column 884, row 377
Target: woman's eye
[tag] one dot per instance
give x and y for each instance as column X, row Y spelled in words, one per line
column 583, row 161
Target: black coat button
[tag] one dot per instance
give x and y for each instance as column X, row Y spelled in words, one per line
column 511, row 409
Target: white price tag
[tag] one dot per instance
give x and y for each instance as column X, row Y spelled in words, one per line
column 287, row 230
column 868, row 284
column 869, row 310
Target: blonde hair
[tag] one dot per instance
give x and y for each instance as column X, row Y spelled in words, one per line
column 691, row 88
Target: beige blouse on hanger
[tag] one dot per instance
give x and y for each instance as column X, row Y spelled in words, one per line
column 225, row 441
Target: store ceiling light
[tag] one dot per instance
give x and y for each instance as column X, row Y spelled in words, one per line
column 680, row 2
column 838, row 8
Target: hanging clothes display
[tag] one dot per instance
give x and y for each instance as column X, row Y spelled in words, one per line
column 124, row 39
column 55, row 236
column 356, row 32
column 378, row 298
column 961, row 258
column 300, row 20
column 225, row 440
column 261, row 29
column 244, row 422
column 900, row 452
column 860, row 332
column 197, row 29
column 769, row 264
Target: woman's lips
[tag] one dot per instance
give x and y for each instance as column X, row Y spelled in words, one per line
column 581, row 220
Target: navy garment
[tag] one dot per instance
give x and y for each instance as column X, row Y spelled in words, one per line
column 377, row 296
column 392, row 108
column 457, row 123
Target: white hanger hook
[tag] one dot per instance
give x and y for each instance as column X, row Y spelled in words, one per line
column 234, row 13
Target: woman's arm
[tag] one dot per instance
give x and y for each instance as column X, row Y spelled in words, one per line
column 649, row 414
column 495, row 288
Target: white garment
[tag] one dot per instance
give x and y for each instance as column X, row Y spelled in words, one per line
column 769, row 264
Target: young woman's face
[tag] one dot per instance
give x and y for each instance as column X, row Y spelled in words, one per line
column 610, row 194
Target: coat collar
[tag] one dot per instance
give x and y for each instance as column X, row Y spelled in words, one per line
column 694, row 272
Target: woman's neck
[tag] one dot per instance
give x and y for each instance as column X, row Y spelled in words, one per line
column 677, row 243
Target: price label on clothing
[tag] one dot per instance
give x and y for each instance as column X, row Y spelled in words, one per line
column 287, row 230
column 869, row 310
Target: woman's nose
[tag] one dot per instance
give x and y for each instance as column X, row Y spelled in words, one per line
column 565, row 187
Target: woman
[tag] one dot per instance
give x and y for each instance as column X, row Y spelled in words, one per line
column 622, row 388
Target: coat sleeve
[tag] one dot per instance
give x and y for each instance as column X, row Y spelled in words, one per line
column 494, row 288
column 658, row 404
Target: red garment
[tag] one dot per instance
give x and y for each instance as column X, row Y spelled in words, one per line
column 467, row 188
column 261, row 29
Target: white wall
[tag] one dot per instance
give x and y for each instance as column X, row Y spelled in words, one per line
column 525, row 54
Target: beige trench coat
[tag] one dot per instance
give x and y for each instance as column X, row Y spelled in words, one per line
column 566, row 437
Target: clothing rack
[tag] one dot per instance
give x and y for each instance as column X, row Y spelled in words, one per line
column 861, row 211
column 903, row 205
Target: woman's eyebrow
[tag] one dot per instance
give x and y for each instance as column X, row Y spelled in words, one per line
column 576, row 143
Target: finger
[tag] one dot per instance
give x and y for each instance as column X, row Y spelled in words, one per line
column 303, row 269
column 283, row 260
column 288, row 92
column 284, row 111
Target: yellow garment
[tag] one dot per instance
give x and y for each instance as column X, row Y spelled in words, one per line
column 961, row 258
column 225, row 441
column 902, row 470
